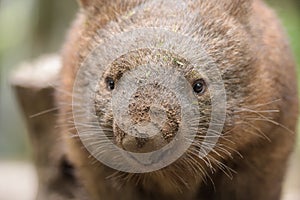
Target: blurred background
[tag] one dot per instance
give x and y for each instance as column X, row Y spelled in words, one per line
column 30, row 28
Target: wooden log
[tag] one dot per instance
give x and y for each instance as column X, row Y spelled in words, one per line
column 34, row 85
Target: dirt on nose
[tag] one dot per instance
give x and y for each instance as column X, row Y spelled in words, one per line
column 155, row 115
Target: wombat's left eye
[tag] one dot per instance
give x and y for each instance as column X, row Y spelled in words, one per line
column 110, row 83
column 199, row 86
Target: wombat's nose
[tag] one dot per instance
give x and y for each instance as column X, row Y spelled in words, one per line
column 151, row 121
column 154, row 127
column 147, row 133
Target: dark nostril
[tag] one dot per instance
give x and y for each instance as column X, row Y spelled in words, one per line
column 110, row 83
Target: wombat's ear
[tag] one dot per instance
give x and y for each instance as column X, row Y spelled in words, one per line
column 85, row 3
column 239, row 8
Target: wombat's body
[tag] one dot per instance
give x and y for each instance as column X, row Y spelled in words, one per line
column 246, row 42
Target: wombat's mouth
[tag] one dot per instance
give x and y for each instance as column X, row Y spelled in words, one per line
column 147, row 160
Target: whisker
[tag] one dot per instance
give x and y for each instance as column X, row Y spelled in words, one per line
column 44, row 112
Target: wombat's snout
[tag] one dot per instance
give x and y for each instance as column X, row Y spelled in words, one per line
column 154, row 123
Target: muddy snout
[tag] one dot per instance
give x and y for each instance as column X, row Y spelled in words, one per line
column 153, row 120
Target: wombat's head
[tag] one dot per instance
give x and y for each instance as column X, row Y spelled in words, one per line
column 164, row 85
column 149, row 96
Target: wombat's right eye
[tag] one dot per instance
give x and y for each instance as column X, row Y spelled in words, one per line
column 110, row 83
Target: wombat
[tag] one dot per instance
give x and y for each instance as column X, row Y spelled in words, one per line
column 159, row 60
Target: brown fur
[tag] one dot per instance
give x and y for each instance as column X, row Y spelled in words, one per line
column 249, row 47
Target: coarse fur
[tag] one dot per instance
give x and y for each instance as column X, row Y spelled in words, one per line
column 245, row 40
